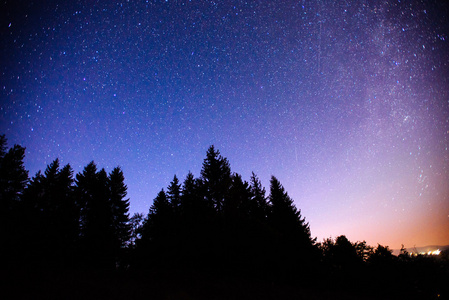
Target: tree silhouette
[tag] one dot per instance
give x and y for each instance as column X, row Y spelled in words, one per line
column 119, row 210
column 217, row 225
column 174, row 195
column 13, row 176
column 239, row 198
column 135, row 222
column 3, row 145
column 259, row 205
column 293, row 247
column 285, row 217
column 194, row 204
column 342, row 255
column 157, row 232
column 52, row 217
column 13, row 179
column 363, row 250
column 96, row 232
column 189, row 198
column 196, row 225
column 216, row 178
column 381, row 256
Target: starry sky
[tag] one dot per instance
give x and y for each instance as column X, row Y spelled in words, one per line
column 345, row 102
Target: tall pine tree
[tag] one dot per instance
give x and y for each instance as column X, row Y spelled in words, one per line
column 119, row 211
column 292, row 229
column 13, row 179
column 216, row 178
column 52, row 218
column 284, row 216
column 13, row 176
column 259, row 205
column 174, row 195
column 239, row 199
column 156, row 241
column 96, row 232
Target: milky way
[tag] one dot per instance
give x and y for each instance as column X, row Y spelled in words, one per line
column 346, row 103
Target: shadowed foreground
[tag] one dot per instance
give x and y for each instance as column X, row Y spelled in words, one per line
column 102, row 285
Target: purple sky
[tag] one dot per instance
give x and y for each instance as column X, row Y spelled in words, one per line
column 347, row 103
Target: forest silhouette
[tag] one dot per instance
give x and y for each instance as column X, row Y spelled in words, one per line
column 212, row 237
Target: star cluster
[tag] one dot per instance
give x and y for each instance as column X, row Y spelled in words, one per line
column 347, row 103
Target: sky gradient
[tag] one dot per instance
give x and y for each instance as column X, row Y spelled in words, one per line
column 346, row 103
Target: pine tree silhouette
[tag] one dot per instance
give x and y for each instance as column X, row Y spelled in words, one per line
column 52, row 215
column 259, row 205
column 284, row 216
column 157, row 233
column 121, row 229
column 96, row 232
column 13, row 179
column 13, row 176
column 293, row 233
column 216, row 178
column 239, row 198
column 174, row 195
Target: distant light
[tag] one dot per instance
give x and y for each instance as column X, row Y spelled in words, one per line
column 435, row 252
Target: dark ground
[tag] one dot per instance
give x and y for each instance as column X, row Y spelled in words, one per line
column 102, row 285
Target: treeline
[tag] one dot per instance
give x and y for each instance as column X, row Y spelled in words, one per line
column 56, row 220
column 217, row 223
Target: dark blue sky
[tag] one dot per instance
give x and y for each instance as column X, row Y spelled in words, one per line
column 345, row 102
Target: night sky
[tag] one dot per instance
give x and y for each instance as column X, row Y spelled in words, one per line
column 345, row 102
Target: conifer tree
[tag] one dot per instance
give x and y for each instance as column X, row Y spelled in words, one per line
column 155, row 227
column 259, row 205
column 193, row 200
column 156, row 242
column 96, row 232
column 174, row 195
column 33, row 192
column 161, row 205
column 199, row 230
column 216, row 177
column 13, row 179
column 188, row 186
column 51, row 214
column 238, row 202
column 3, row 145
column 119, row 209
column 67, row 214
column 293, row 233
column 85, row 182
column 285, row 217
column 13, row 176
column 188, row 192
